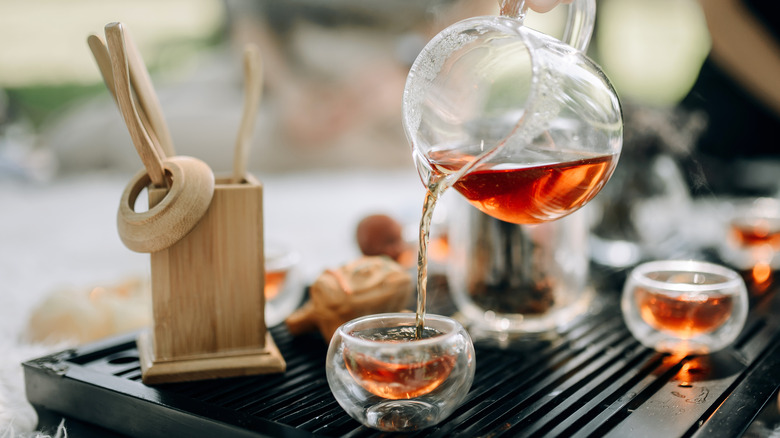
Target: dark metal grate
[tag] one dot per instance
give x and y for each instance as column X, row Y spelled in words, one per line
column 593, row 379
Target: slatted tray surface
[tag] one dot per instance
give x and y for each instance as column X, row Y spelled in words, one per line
column 592, row 379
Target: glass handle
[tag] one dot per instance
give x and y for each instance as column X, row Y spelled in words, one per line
column 579, row 24
column 512, row 8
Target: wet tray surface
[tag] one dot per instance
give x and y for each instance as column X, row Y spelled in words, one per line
column 593, row 379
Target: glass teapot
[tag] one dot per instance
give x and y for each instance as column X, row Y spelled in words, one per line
column 525, row 126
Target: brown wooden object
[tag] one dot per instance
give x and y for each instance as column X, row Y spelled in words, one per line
column 208, row 300
column 368, row 285
column 205, row 238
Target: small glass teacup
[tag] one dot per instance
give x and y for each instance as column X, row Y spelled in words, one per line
column 753, row 234
column 684, row 306
column 386, row 379
column 284, row 289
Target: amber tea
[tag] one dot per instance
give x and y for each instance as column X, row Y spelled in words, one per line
column 751, row 232
column 407, row 377
column 684, row 306
column 523, row 194
column 686, row 316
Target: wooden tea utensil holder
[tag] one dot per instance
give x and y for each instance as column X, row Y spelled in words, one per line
column 207, row 293
column 205, row 238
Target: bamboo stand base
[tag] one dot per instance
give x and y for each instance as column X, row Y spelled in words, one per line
column 242, row 363
column 207, row 295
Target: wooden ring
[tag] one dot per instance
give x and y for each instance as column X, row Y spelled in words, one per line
column 187, row 200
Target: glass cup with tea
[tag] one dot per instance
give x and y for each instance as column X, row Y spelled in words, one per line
column 753, row 231
column 756, row 223
column 284, row 290
column 387, row 378
column 684, row 306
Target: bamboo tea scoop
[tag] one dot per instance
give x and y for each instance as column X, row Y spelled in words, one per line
column 120, row 72
column 103, row 60
column 147, row 98
column 253, row 89
column 191, row 180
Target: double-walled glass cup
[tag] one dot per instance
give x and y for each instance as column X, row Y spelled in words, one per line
column 284, row 290
column 387, row 380
column 684, row 306
column 753, row 234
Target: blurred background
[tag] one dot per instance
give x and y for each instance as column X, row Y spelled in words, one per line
column 334, row 73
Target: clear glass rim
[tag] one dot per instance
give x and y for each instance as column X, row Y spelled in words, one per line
column 640, row 275
column 447, row 325
column 756, row 208
column 282, row 260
